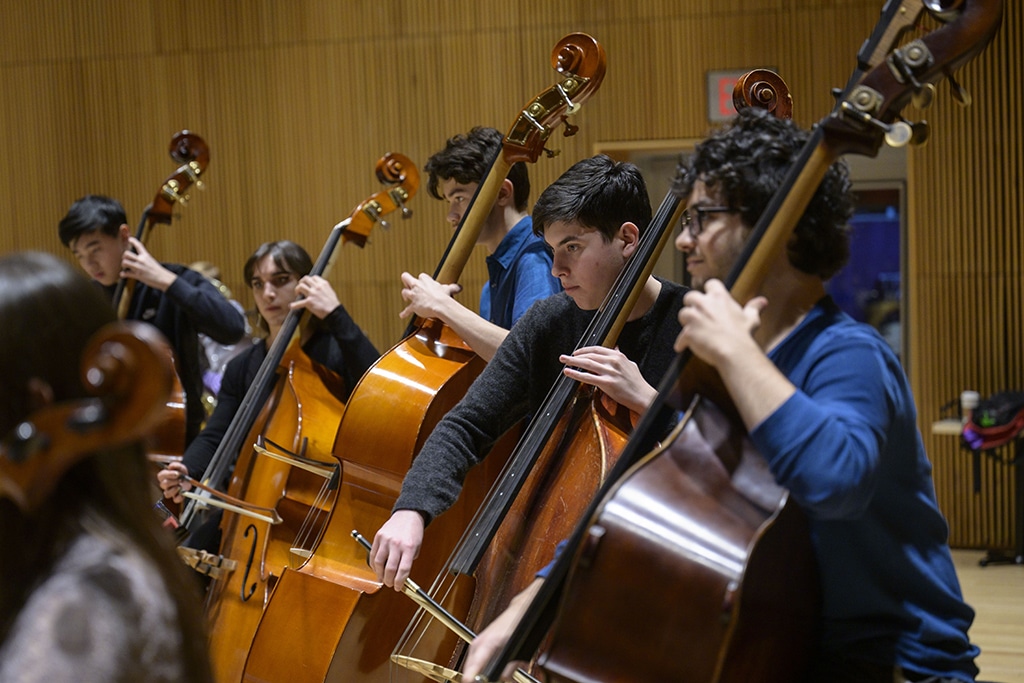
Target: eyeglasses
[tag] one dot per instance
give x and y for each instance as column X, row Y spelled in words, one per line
column 694, row 220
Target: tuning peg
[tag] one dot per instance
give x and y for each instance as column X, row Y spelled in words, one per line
column 944, row 10
column 923, row 97
column 960, row 93
column 406, row 212
column 171, row 190
column 193, row 170
column 902, row 133
column 898, row 134
column 551, row 153
column 24, row 440
column 385, row 225
column 570, row 129
column 906, row 62
column 372, row 210
column 921, row 132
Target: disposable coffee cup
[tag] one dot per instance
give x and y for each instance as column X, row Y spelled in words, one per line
column 968, row 402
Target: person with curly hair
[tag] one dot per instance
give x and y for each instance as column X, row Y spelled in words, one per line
column 828, row 405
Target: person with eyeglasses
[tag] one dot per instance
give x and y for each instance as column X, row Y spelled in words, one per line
column 700, row 261
column 828, row 405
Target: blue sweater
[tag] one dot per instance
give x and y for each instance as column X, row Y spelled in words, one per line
column 847, row 447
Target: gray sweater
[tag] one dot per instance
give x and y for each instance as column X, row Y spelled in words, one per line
column 515, row 383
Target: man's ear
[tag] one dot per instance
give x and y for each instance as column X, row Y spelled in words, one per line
column 629, row 233
column 505, row 193
column 123, row 233
column 40, row 393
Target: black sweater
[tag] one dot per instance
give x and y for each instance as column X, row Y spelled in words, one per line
column 189, row 306
column 338, row 345
column 515, row 383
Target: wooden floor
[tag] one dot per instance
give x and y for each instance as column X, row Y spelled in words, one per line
column 996, row 593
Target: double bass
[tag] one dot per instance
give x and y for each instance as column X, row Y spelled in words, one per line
column 167, row 441
column 572, row 443
column 388, row 417
column 285, row 479
column 693, row 512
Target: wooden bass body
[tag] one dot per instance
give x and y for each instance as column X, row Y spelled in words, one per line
column 331, row 619
column 704, row 565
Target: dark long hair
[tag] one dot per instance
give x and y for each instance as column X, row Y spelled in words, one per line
column 49, row 313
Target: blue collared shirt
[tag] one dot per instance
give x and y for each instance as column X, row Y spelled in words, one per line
column 519, row 274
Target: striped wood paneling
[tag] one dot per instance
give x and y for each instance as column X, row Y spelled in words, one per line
column 298, row 100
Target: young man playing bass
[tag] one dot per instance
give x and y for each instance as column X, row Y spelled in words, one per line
column 591, row 219
column 179, row 302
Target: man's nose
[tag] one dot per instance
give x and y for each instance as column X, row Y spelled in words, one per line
column 684, row 241
column 557, row 267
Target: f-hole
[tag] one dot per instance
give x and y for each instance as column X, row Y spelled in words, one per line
column 248, row 565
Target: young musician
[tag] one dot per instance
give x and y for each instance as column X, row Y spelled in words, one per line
column 518, row 265
column 828, row 405
column 92, row 589
column 179, row 302
column 591, row 219
column 278, row 273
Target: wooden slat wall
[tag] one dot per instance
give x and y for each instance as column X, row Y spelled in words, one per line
column 298, row 100
column 966, row 290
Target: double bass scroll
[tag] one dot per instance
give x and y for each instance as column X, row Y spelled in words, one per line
column 127, row 369
column 192, row 152
column 764, row 89
column 167, row 441
column 580, row 61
